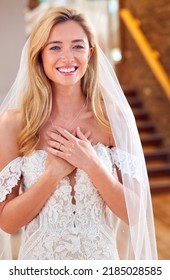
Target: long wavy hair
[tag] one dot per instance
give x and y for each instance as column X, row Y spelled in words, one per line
column 36, row 104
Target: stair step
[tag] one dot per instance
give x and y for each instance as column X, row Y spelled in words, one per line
column 160, row 154
column 134, row 102
column 159, row 179
column 150, row 149
column 141, row 114
column 155, row 163
column 157, row 157
column 151, row 139
column 145, row 126
column 129, row 92
column 160, row 186
column 159, row 171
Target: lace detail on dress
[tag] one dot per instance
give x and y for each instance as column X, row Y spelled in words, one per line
column 64, row 230
column 35, row 163
column 9, row 177
column 127, row 163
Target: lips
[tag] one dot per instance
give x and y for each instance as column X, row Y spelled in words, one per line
column 71, row 69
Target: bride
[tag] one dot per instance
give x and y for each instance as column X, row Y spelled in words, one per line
column 73, row 174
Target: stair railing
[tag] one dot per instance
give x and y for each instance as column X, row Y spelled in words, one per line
column 149, row 54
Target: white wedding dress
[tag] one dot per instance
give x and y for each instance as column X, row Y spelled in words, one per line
column 63, row 230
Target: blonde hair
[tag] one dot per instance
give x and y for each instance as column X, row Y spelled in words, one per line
column 36, row 104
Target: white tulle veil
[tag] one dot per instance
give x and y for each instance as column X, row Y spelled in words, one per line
column 136, row 240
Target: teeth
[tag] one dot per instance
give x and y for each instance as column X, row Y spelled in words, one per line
column 67, row 70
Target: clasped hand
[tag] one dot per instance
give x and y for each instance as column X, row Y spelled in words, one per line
column 75, row 150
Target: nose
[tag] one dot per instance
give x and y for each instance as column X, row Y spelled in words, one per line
column 67, row 55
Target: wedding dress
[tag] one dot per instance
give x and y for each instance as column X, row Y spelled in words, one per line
column 63, row 229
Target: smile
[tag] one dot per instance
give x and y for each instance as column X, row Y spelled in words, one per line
column 67, row 69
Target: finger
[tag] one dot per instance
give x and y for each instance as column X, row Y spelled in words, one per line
column 91, row 140
column 52, row 135
column 60, row 154
column 51, row 130
column 62, row 140
column 66, row 134
column 58, row 138
column 56, row 145
column 73, row 132
column 81, row 135
column 87, row 134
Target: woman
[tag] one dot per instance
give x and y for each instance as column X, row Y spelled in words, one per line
column 72, row 169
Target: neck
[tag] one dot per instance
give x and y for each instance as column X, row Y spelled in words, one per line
column 67, row 101
column 68, row 105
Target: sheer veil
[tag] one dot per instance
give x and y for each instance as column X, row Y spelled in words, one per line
column 136, row 240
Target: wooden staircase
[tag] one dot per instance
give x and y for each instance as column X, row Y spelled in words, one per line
column 156, row 155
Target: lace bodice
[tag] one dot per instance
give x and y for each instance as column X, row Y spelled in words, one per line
column 64, row 230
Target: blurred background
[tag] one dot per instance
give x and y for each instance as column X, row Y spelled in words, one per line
column 135, row 35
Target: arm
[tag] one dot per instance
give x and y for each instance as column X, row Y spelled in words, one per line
column 17, row 210
column 109, row 188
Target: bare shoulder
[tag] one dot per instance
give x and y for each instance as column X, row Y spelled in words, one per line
column 10, row 127
column 10, row 124
column 12, row 118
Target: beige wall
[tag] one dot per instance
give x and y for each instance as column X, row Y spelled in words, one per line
column 12, row 38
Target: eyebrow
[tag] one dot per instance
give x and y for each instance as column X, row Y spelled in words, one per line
column 59, row 42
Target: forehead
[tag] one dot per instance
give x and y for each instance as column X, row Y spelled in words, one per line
column 69, row 30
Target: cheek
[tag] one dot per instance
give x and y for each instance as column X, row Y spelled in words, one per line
column 85, row 61
column 45, row 67
column 47, row 64
column 44, row 61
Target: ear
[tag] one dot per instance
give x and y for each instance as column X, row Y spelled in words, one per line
column 90, row 53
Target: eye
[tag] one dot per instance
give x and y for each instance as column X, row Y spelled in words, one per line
column 55, row 48
column 78, row 47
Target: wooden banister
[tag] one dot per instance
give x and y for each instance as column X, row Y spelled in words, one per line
column 151, row 56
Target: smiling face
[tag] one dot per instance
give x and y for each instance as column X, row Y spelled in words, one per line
column 66, row 54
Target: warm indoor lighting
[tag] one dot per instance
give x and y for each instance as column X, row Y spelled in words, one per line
column 116, row 55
